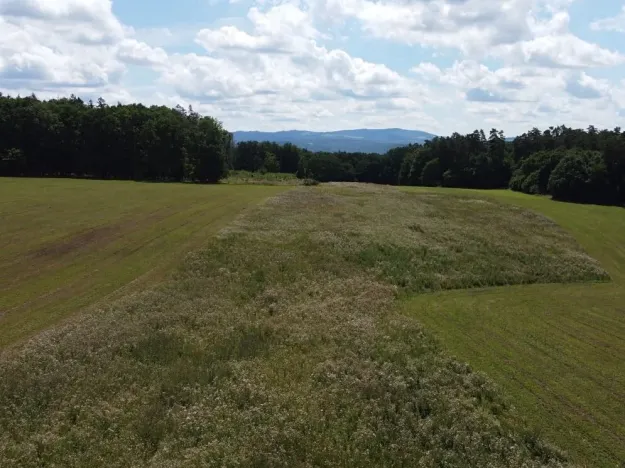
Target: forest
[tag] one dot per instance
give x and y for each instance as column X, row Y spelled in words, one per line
column 72, row 138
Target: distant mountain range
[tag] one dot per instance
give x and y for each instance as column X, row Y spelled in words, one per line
column 360, row 140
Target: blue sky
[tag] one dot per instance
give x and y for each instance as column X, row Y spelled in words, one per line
column 434, row 65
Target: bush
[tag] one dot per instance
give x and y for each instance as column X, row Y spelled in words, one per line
column 516, row 182
column 579, row 177
column 532, row 176
column 259, row 178
column 431, row 175
column 531, row 184
column 324, row 167
column 271, row 162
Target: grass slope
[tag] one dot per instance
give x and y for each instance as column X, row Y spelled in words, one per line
column 280, row 345
column 69, row 243
column 556, row 349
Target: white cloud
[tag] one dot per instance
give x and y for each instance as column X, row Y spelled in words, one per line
column 139, row 53
column 469, row 25
column 32, row 53
column 281, row 58
column 280, row 65
column 59, row 44
column 283, row 28
column 558, row 51
column 90, row 21
column 534, row 32
column 616, row 23
column 584, row 86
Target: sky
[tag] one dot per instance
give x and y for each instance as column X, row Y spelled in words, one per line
column 434, row 65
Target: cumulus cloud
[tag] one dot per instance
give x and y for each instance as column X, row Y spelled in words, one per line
column 616, row 23
column 469, row 25
column 281, row 54
column 585, row 87
column 139, row 53
column 558, row 51
column 287, row 63
column 483, row 95
column 33, row 54
column 282, row 29
column 89, row 21
column 49, row 44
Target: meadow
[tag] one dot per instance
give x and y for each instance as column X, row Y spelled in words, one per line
column 261, row 178
column 68, row 244
column 556, row 349
column 279, row 343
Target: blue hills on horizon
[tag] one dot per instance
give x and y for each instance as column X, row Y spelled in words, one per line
column 358, row 140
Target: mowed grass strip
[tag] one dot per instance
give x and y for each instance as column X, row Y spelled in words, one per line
column 277, row 345
column 557, row 350
column 67, row 244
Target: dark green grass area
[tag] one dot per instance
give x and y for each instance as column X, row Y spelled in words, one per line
column 261, row 178
column 557, row 350
column 273, row 346
column 456, row 242
column 67, row 244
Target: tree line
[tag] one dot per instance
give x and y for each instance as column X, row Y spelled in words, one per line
column 576, row 165
column 70, row 137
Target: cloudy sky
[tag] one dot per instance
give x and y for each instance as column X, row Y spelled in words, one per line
column 434, row 65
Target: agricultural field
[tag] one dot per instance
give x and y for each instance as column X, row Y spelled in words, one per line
column 557, row 350
column 279, row 343
column 68, row 244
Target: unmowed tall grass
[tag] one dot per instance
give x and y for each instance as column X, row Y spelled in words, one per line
column 261, row 178
column 279, row 345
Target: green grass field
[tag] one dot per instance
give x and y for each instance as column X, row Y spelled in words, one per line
column 67, row 244
column 558, row 350
column 279, row 341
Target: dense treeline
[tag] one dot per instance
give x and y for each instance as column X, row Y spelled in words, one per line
column 68, row 137
column 457, row 161
column 574, row 165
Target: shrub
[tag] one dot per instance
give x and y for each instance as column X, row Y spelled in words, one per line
column 532, row 176
column 431, row 175
column 271, row 162
column 516, row 182
column 579, row 177
column 324, row 167
column 531, row 183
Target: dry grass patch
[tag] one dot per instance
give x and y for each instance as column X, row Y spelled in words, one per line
column 273, row 346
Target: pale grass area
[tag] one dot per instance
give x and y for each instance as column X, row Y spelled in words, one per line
column 279, row 345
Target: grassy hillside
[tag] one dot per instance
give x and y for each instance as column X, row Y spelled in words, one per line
column 279, row 344
column 69, row 243
column 556, row 349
